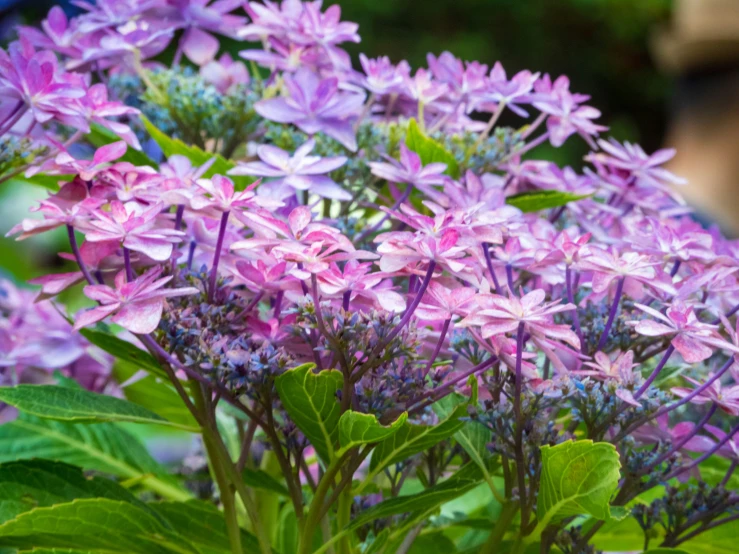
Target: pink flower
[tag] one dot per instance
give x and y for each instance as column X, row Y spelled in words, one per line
column 661, row 432
column 356, row 282
column 69, row 206
column 619, row 369
column 608, row 265
column 225, row 74
column 103, row 158
column 137, row 305
column 441, row 303
column 218, row 195
column 727, row 398
column 297, row 172
column 498, row 315
column 409, row 169
column 693, row 339
column 133, row 228
column 511, row 92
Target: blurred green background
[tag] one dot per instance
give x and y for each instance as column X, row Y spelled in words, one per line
column 602, row 45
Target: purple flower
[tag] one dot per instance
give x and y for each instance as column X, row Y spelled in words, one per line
column 224, row 73
column 297, row 172
column 511, row 92
column 315, row 105
column 409, row 169
column 381, row 76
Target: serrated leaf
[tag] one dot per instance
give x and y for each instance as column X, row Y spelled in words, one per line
column 356, row 429
column 311, row 401
column 76, row 405
column 203, row 525
column 123, row 350
column 429, row 150
column 153, row 393
column 577, row 478
column 172, row 146
column 29, row 484
column 97, row 523
column 456, row 485
column 104, row 447
column 539, row 200
column 100, row 136
column 411, row 439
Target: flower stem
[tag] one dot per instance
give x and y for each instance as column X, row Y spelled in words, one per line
column 178, row 216
column 217, row 257
column 518, row 440
column 14, row 117
column 442, row 336
column 489, row 263
column 489, row 127
column 653, row 376
column 77, row 255
column 612, row 313
column 127, row 263
column 509, row 275
column 705, row 456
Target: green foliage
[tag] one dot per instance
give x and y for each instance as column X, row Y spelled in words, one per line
column 539, row 200
column 100, row 136
column 262, row 480
column 104, row 447
column 429, row 150
column 155, row 394
column 171, row 146
column 76, row 405
column 461, row 482
column 123, row 350
column 311, row 401
column 577, row 477
column 29, row 484
column 356, row 429
column 411, row 439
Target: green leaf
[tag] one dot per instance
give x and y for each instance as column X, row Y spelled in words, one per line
column 356, row 429
column 94, row 523
column 411, row 439
column 429, row 150
column 171, row 146
column 154, row 393
column 259, row 479
column 577, row 478
column 123, row 350
column 542, row 200
column 311, row 401
column 76, row 405
column 456, row 485
column 202, row 525
column 103, row 447
column 719, row 540
column 100, row 136
column 29, row 484
column 50, row 182
column 667, row 551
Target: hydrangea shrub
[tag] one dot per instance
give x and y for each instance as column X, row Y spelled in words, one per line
column 390, row 326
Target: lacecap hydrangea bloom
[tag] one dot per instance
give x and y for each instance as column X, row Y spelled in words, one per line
column 364, row 293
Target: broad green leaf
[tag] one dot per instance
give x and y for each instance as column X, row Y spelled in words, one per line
column 123, row 350
column 62, row 551
column 94, row 523
column 456, row 485
column 100, row 136
column 577, row 478
column 29, row 484
column 104, row 447
column 153, row 393
column 542, row 200
column 171, row 146
column 432, row 543
column 76, row 405
column 50, row 182
column 473, row 437
column 356, row 429
column 429, row 150
column 411, row 439
column 667, row 551
column 311, row 401
column 260, row 479
column 202, row 525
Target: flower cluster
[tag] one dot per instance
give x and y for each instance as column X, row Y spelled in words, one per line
column 381, row 225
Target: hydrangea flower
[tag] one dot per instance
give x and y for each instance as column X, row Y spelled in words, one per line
column 134, row 305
